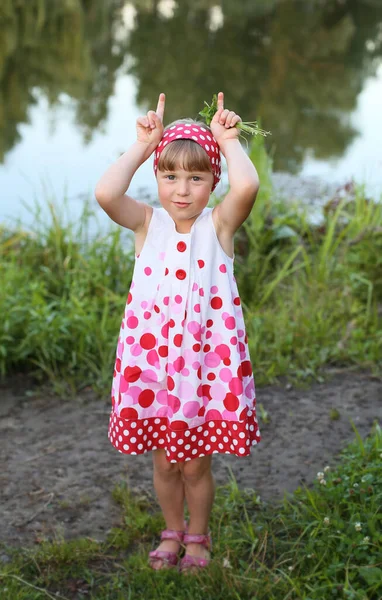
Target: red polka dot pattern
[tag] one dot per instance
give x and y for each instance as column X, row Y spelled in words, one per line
column 224, row 437
column 182, row 378
column 199, row 134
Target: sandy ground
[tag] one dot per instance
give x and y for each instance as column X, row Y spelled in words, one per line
column 58, row 468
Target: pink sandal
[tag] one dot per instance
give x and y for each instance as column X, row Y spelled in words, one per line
column 170, row 559
column 189, row 561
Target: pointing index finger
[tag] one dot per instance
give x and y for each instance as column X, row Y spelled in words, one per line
column 220, row 100
column 160, row 108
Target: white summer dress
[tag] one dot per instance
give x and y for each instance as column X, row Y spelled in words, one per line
column 183, row 377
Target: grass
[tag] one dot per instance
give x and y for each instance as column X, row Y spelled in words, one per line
column 320, row 543
column 312, row 294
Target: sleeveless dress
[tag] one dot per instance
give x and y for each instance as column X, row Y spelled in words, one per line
column 183, row 377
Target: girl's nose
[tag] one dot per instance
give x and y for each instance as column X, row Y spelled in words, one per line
column 183, row 188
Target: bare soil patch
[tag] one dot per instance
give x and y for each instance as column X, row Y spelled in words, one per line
column 58, row 468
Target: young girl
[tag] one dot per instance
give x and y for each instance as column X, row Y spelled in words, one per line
column 183, row 386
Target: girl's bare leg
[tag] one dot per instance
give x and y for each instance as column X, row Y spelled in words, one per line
column 169, row 487
column 200, row 492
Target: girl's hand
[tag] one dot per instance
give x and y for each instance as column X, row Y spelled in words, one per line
column 223, row 123
column 150, row 127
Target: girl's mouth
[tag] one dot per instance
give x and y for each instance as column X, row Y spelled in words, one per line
column 181, row 204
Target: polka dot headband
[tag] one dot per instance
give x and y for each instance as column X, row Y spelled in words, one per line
column 200, row 135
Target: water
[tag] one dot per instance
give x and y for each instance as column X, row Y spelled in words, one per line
column 75, row 75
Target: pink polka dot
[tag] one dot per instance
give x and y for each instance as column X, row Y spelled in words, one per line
column 162, row 397
column 136, row 349
column 153, row 358
column 191, row 409
column 216, row 339
column 123, row 385
column 193, row 327
column 148, row 270
column 213, row 415
column 214, row 289
column 173, row 402
column 178, row 299
column 144, row 304
column 166, row 300
column 229, row 415
column 132, row 322
column 147, row 314
column 233, row 340
column 212, row 359
column 230, row 323
column 240, row 332
column 134, row 392
column 236, row 386
column 208, row 334
column 148, row 376
column 223, row 351
column 179, row 364
column 225, row 375
column 223, row 268
column 197, row 308
column 218, row 392
column 194, row 287
column 186, row 390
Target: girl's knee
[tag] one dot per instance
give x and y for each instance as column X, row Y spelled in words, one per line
column 195, row 469
column 162, row 465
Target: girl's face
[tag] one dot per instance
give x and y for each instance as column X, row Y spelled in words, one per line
column 184, row 194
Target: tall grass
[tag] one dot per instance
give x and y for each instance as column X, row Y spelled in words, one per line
column 312, row 294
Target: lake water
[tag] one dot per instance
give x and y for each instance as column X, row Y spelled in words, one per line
column 75, row 75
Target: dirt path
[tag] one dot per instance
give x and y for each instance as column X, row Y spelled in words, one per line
column 58, row 467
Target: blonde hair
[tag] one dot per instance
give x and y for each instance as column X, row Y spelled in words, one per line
column 185, row 154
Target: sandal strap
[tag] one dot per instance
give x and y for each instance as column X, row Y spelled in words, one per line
column 172, row 534
column 193, row 561
column 198, row 538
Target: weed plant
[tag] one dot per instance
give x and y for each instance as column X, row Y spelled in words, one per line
column 311, row 294
column 321, row 543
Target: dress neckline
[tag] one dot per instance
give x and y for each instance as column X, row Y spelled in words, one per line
column 205, row 209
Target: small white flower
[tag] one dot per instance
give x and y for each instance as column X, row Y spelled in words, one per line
column 309, row 556
column 326, row 521
column 226, row 563
column 327, row 468
column 355, row 485
column 290, row 568
column 323, row 481
column 358, row 527
column 366, row 540
column 320, row 475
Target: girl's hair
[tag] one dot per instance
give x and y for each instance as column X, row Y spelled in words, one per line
column 184, row 154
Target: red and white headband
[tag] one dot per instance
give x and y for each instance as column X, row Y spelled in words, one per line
column 200, row 135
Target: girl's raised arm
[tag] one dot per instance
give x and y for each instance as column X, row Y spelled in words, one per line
column 242, row 175
column 111, row 189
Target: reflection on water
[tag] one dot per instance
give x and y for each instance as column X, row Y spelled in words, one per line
column 297, row 65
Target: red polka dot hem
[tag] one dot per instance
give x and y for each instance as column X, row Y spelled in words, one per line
column 223, row 437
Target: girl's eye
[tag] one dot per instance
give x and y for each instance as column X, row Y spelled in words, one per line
column 170, row 177
column 196, row 178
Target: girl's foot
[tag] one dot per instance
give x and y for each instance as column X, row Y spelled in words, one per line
column 198, row 551
column 167, row 546
column 198, row 548
column 167, row 553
